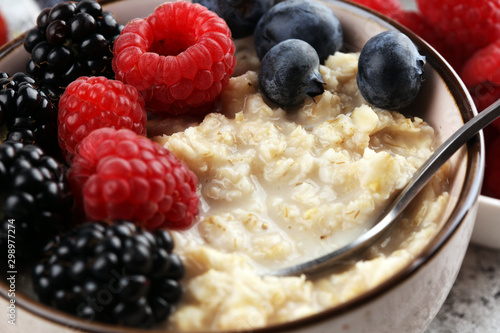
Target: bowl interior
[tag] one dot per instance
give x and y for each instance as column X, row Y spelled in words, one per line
column 443, row 102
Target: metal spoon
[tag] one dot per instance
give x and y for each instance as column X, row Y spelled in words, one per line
column 390, row 215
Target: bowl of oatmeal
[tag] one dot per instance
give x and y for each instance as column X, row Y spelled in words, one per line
column 278, row 187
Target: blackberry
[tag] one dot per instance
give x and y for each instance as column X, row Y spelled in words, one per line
column 34, row 196
column 116, row 273
column 28, row 113
column 70, row 40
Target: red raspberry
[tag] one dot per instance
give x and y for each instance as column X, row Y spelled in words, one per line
column 491, row 183
column 89, row 103
column 121, row 175
column 4, row 31
column 467, row 25
column 481, row 74
column 417, row 24
column 420, row 25
column 386, row 7
column 483, row 66
column 180, row 57
column 484, row 94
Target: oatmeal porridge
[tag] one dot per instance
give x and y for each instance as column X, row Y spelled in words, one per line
column 279, row 187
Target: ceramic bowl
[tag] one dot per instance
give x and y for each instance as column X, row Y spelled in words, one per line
column 407, row 301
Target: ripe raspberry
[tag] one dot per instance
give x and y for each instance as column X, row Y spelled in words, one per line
column 180, row 57
column 466, row 24
column 95, row 102
column 420, row 25
column 121, row 175
column 417, row 24
column 484, row 94
column 483, row 66
column 386, row 7
column 491, row 183
column 4, row 31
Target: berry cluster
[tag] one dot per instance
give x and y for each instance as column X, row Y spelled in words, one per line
column 76, row 151
column 34, row 192
column 28, row 113
column 70, row 40
column 467, row 34
column 289, row 71
column 116, row 273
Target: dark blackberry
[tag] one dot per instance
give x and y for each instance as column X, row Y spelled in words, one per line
column 116, row 273
column 34, row 196
column 3, row 76
column 71, row 39
column 28, row 112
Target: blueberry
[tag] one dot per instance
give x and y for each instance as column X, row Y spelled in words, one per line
column 299, row 19
column 390, row 70
column 241, row 16
column 289, row 73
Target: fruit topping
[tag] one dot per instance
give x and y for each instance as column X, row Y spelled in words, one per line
column 70, row 40
column 491, row 183
column 289, row 73
column 485, row 94
column 95, row 102
column 390, row 70
column 386, row 7
column 121, row 175
column 4, row 30
column 28, row 112
column 180, row 57
column 115, row 273
column 470, row 24
column 466, row 33
column 417, row 23
column 483, row 66
column 309, row 21
column 240, row 15
column 35, row 197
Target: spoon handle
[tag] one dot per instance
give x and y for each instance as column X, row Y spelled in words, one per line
column 390, row 215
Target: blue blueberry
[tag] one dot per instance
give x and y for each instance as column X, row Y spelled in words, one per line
column 289, row 73
column 300, row 19
column 241, row 16
column 390, row 70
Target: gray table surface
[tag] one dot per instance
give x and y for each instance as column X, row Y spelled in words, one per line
column 473, row 304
